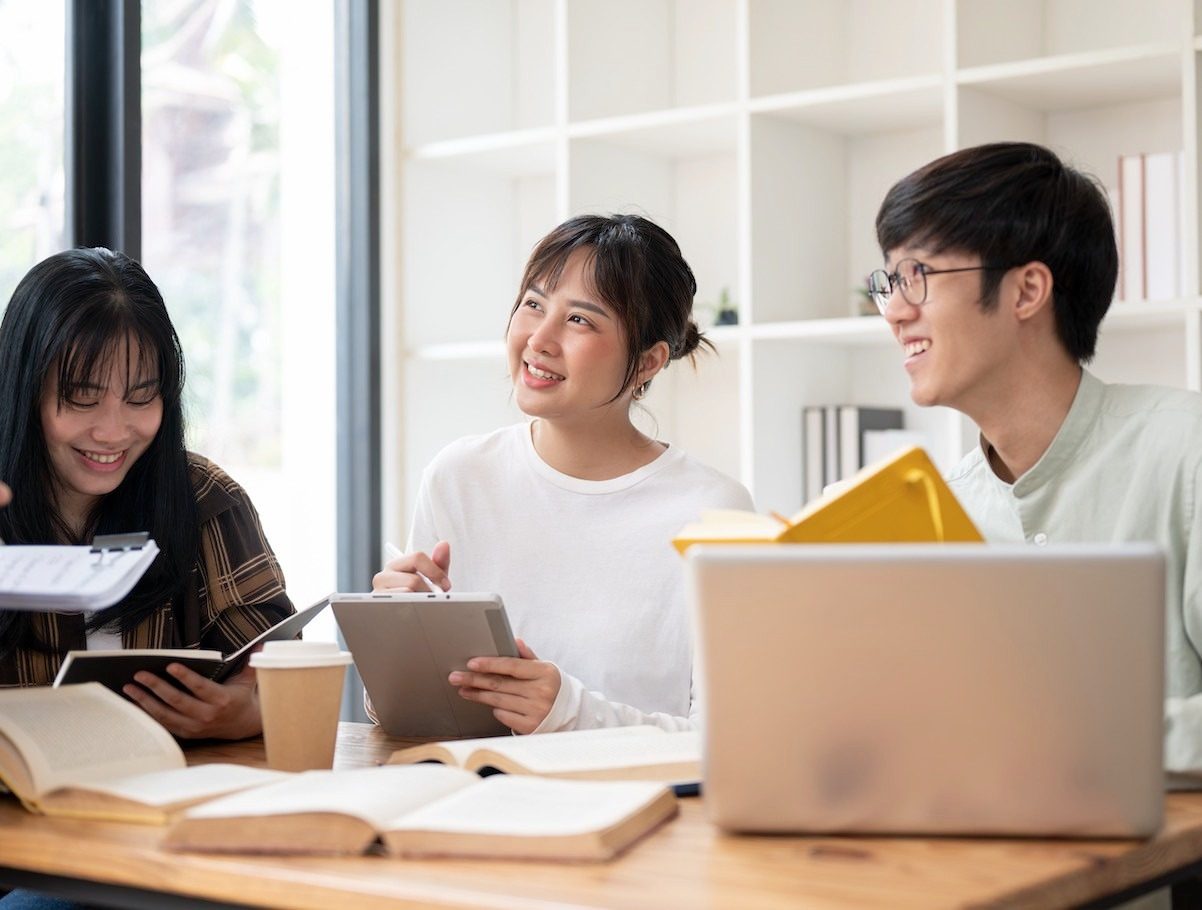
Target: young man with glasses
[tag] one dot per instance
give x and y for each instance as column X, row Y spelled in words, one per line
column 1000, row 263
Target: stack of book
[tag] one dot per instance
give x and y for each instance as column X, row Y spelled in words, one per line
column 1148, row 215
column 838, row 440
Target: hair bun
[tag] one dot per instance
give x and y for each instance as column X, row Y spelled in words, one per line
column 692, row 339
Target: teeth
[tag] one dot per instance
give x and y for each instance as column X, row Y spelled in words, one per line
column 542, row 374
column 100, row 458
column 917, row 347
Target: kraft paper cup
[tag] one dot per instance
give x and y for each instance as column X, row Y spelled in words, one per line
column 300, row 696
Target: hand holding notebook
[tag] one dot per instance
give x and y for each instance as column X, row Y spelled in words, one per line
column 116, row 668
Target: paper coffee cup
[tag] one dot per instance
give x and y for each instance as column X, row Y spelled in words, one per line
column 300, row 696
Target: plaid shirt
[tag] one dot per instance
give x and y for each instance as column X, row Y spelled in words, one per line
column 237, row 592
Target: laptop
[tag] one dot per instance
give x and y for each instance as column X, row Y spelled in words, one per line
column 932, row 688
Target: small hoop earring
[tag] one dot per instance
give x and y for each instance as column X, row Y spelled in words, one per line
column 640, row 392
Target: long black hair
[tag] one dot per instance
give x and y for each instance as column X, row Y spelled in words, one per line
column 71, row 318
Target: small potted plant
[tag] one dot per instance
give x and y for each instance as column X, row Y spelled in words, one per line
column 727, row 314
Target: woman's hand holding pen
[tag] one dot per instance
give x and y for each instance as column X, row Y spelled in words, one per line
column 520, row 690
column 415, row 571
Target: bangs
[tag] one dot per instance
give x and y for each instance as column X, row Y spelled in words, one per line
column 546, row 270
column 119, row 348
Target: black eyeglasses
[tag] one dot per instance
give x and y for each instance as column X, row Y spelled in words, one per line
column 910, row 278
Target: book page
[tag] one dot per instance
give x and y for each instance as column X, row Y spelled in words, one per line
column 375, row 795
column 531, row 807
column 38, row 577
column 564, row 753
column 181, row 785
column 78, row 734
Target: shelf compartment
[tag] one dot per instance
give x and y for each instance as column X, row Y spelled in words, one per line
column 789, row 375
column 1000, row 31
column 670, row 133
column 453, row 399
column 1076, row 81
column 630, row 56
column 495, row 75
column 1132, row 352
column 693, row 196
column 863, row 108
column 472, row 220
column 814, row 199
column 686, row 404
column 806, row 44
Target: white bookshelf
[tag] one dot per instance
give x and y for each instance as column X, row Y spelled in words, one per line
column 763, row 134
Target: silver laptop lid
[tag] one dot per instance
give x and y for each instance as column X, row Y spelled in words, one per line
column 949, row 689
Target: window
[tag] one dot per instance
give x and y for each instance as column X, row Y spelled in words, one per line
column 238, row 231
column 32, row 69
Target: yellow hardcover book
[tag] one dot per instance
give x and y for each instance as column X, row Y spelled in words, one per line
column 902, row 499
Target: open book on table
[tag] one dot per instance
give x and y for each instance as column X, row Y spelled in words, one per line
column 82, row 751
column 36, row 577
column 427, row 810
column 901, row 499
column 115, row 669
column 611, row 753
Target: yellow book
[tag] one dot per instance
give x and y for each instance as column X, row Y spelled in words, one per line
column 902, row 499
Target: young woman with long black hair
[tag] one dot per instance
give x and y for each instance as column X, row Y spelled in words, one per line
column 92, row 442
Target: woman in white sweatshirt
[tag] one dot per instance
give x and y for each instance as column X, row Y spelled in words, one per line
column 570, row 516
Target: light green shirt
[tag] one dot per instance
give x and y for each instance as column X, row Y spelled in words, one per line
column 1125, row 466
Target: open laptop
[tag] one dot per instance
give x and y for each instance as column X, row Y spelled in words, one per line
column 932, row 689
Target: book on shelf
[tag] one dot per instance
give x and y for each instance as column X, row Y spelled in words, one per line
column 1132, row 228
column 901, row 499
column 611, row 753
column 87, row 577
column 83, row 752
column 833, row 442
column 854, row 422
column 1149, row 226
column 428, row 810
column 813, row 449
column 115, row 669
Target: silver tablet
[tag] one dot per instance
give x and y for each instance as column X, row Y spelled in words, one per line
column 405, row 646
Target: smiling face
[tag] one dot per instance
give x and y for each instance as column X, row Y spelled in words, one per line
column 100, row 428
column 957, row 353
column 567, row 349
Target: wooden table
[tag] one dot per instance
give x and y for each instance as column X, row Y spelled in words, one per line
column 687, row 863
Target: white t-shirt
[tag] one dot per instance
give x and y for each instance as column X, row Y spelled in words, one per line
column 586, row 568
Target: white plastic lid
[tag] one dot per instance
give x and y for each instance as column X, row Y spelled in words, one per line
column 296, row 654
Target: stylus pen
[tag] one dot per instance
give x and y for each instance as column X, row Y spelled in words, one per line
column 394, row 551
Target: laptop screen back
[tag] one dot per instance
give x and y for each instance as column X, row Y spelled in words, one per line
column 950, row 689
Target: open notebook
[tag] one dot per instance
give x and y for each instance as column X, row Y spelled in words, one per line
column 36, row 577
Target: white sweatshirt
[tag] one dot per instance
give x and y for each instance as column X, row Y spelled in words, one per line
column 586, row 568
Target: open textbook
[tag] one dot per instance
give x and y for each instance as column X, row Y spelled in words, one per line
column 901, row 499
column 610, row 753
column 35, row 577
column 427, row 810
column 115, row 669
column 82, row 751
